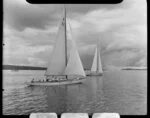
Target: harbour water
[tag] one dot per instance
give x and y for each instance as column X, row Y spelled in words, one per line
column 121, row 91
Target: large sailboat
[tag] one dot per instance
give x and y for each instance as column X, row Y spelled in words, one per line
column 65, row 66
column 96, row 68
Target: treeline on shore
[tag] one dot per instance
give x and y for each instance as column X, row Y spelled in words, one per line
column 134, row 68
column 15, row 67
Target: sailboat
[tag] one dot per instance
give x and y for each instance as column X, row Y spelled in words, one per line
column 63, row 68
column 96, row 66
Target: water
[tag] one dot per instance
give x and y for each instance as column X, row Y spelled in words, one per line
column 124, row 92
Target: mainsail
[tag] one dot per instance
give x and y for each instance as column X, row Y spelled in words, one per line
column 97, row 66
column 57, row 63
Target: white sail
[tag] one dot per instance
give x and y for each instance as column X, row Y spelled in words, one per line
column 61, row 65
column 94, row 65
column 74, row 66
column 57, row 63
column 99, row 63
column 97, row 66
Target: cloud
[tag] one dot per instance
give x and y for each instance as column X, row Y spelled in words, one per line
column 30, row 32
column 18, row 51
column 32, row 37
column 20, row 15
column 121, row 33
column 36, row 61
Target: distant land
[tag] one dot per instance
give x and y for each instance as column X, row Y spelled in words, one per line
column 15, row 67
column 134, row 68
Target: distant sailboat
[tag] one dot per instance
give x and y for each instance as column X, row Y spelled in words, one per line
column 96, row 66
column 63, row 68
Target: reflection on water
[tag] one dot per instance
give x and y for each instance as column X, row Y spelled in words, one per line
column 122, row 91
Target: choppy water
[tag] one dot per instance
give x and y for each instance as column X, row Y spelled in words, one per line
column 124, row 92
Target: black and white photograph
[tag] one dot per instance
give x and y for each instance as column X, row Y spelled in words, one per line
column 74, row 58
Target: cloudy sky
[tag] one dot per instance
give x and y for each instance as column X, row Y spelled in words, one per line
column 30, row 31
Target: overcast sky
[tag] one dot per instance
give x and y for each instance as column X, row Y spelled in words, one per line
column 30, row 31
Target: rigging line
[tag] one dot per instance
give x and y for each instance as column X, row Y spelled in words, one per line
column 65, row 34
column 72, row 34
column 74, row 44
column 70, row 29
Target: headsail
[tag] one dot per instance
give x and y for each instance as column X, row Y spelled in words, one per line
column 74, row 66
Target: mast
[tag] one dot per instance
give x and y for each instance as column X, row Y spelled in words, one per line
column 65, row 39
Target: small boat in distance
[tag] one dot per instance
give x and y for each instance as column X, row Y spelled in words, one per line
column 64, row 67
column 96, row 69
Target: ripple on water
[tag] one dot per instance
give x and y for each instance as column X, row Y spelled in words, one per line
column 124, row 92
